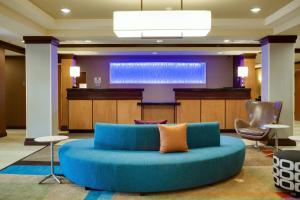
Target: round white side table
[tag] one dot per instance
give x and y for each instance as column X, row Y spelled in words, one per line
column 52, row 140
column 276, row 127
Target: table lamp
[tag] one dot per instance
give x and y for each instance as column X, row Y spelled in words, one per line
column 242, row 73
column 74, row 72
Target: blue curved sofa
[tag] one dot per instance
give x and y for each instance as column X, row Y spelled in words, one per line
column 126, row 158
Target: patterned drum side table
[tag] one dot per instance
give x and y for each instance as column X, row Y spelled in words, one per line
column 286, row 171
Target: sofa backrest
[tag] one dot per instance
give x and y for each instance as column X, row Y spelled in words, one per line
column 146, row 137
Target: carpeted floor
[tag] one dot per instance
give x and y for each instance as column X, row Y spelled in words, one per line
column 254, row 182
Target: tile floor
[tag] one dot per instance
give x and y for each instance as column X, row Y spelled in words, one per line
column 297, row 128
column 12, row 147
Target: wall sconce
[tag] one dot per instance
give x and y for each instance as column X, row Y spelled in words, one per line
column 74, row 72
column 242, row 73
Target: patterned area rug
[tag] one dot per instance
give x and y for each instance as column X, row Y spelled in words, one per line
column 254, row 182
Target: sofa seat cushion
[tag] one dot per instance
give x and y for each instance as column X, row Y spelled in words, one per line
column 149, row 171
column 252, row 131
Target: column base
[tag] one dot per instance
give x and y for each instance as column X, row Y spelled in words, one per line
column 3, row 134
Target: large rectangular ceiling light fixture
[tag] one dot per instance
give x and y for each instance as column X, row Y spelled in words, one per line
column 159, row 24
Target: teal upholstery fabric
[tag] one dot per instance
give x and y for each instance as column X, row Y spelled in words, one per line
column 150, row 171
column 146, row 137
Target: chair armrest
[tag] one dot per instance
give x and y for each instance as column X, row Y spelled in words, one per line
column 239, row 123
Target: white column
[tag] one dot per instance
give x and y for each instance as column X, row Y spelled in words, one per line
column 2, row 93
column 278, row 57
column 41, row 86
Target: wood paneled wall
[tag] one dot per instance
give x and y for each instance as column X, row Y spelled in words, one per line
column 235, row 109
column 2, row 94
column 65, row 82
column 224, row 111
column 15, row 92
column 188, row 111
column 128, row 111
column 213, row 110
column 104, row 111
column 83, row 114
column 258, row 77
column 81, row 117
column 250, row 81
column 158, row 112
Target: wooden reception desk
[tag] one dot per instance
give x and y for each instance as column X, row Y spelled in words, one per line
column 223, row 105
column 87, row 106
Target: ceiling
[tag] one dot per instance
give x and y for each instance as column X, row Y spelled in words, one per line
column 103, row 9
column 92, row 20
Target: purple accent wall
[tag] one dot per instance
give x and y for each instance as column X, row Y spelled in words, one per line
column 219, row 73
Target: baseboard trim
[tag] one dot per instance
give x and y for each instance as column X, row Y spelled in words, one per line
column 227, row 130
column 92, row 130
column 31, row 142
column 15, row 127
column 64, row 128
column 282, row 142
column 3, row 134
column 29, row 162
column 81, row 131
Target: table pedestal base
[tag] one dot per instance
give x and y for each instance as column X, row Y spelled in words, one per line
column 51, row 139
column 56, row 178
column 276, row 148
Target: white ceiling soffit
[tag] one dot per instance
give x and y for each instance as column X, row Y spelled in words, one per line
column 26, row 8
column 286, row 20
column 12, row 53
column 60, row 27
column 31, row 11
column 103, row 9
column 22, row 17
column 160, row 50
column 18, row 24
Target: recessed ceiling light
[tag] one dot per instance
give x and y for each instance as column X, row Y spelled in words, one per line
column 87, row 41
column 226, row 41
column 65, row 10
column 154, row 52
column 23, row 41
column 159, row 41
column 255, row 10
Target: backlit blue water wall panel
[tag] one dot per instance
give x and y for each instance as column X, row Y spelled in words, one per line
column 157, row 73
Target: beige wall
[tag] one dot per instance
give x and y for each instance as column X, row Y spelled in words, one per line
column 15, row 91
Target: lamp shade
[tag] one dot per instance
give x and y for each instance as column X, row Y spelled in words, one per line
column 74, row 71
column 175, row 23
column 242, row 71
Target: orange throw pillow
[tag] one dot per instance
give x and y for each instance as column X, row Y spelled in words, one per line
column 173, row 138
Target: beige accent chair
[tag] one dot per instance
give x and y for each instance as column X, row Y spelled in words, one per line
column 259, row 114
